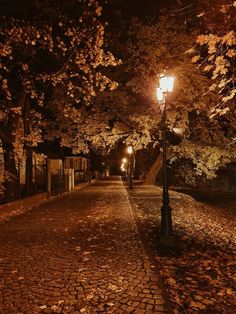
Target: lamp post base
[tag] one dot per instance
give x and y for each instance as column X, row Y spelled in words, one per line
column 131, row 185
column 168, row 241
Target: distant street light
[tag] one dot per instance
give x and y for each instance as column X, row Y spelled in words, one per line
column 124, row 167
column 131, row 166
column 130, row 150
column 124, row 160
column 166, row 235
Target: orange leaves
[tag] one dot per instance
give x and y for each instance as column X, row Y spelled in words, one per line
column 66, row 57
column 207, row 68
column 206, row 39
column 6, row 90
column 230, row 291
column 197, row 305
column 229, row 38
column 195, row 59
column 207, row 302
column 231, row 53
column 5, row 50
column 216, row 47
column 171, row 281
column 99, row 11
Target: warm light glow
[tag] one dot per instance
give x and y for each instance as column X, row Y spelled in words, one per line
column 123, row 167
column 167, row 83
column 160, row 95
column 130, row 150
column 178, row 131
column 124, row 160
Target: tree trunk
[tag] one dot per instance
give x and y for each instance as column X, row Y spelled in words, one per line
column 155, row 168
column 10, row 173
column 11, row 177
column 29, row 172
column 28, row 150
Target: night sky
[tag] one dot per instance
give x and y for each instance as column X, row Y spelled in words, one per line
column 147, row 7
column 124, row 8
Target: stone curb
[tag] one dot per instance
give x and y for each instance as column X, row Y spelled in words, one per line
column 161, row 283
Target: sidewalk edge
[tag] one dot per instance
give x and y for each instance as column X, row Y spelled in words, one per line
column 23, row 205
column 160, row 280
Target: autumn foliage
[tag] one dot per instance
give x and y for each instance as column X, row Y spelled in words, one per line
column 60, row 83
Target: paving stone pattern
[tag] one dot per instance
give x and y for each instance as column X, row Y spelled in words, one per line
column 79, row 253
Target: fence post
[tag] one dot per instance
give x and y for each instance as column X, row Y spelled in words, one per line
column 49, row 179
column 72, row 177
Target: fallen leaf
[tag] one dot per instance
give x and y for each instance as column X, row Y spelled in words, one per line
column 90, row 296
column 112, row 287
column 229, row 291
column 207, row 301
column 197, row 305
column 171, row 281
column 198, row 297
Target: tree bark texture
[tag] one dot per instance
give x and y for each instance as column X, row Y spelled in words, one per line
column 8, row 137
column 156, row 168
column 28, row 150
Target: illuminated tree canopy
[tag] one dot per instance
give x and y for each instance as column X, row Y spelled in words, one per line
column 65, row 77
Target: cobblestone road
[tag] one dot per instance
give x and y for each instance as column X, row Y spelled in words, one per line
column 79, row 253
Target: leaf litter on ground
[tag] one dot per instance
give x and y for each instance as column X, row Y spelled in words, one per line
column 201, row 277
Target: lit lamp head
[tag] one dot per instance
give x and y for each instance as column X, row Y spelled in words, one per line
column 124, row 160
column 167, row 83
column 130, row 150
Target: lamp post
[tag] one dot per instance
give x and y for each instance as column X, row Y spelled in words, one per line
column 166, row 235
column 131, row 166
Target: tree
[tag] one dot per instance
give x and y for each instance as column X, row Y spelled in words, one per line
column 55, row 56
column 215, row 51
column 148, row 47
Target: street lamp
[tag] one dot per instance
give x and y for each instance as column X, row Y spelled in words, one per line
column 124, row 168
column 166, row 235
column 130, row 150
column 131, row 166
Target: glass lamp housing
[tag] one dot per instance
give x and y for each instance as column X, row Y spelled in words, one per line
column 167, row 83
column 130, row 150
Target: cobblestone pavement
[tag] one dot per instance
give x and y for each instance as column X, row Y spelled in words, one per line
column 79, row 253
column 199, row 272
